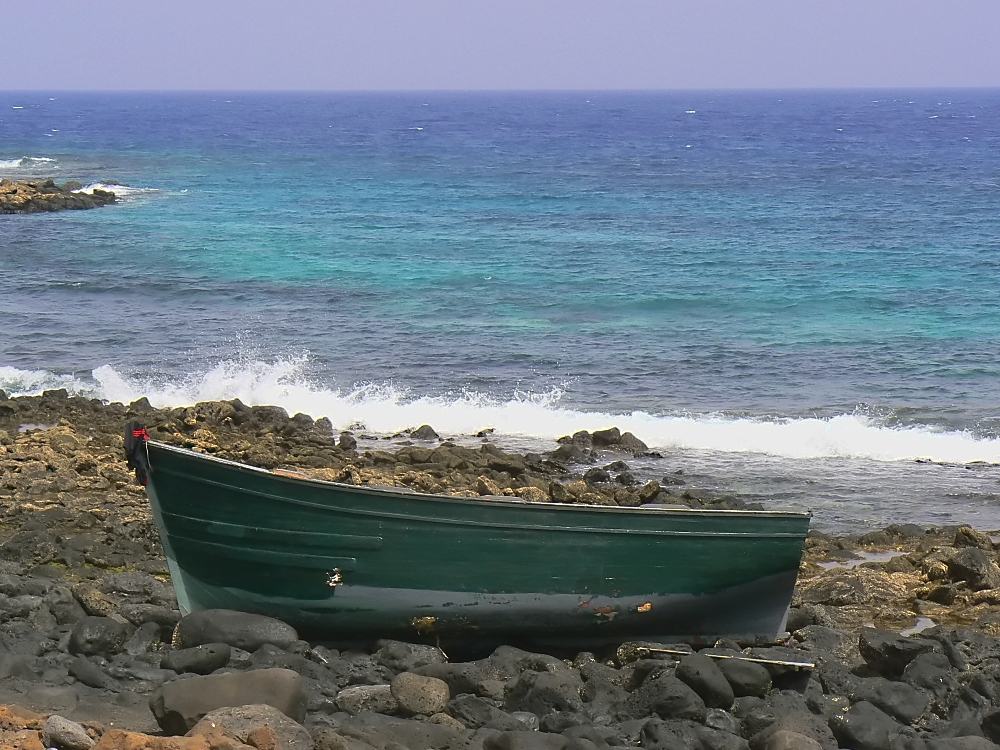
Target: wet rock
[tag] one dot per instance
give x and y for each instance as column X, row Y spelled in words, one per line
column 390, row 732
column 931, row 671
column 974, row 566
column 888, row 653
column 966, row 536
column 898, row 699
column 604, row 438
column 359, row 698
column 545, row 692
column 406, row 657
column 991, row 725
column 97, row 636
column 864, row 727
column 247, row 722
column 238, row 629
column 417, row 694
column 784, row 739
column 474, row 712
column 424, row 432
column 631, row 444
column 745, row 677
column 596, row 475
column 35, row 196
column 524, row 740
column 570, row 454
column 860, row 586
column 87, row 672
column 180, row 704
column 667, row 697
column 703, row 675
column 94, row 602
column 63, row 605
column 203, row 659
column 65, row 734
column 678, row 735
column 947, row 743
column 145, row 639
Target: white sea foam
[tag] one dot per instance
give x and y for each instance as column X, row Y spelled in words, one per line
column 26, row 162
column 385, row 408
column 124, row 192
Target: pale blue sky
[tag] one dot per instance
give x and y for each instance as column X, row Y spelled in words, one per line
column 508, row 44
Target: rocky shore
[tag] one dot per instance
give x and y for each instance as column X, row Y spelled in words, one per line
column 37, row 196
column 900, row 626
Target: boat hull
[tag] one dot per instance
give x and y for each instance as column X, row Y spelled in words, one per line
column 346, row 563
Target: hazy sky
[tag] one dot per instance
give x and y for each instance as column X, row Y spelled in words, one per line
column 505, row 44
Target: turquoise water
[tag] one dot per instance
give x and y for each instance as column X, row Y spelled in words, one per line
column 768, row 287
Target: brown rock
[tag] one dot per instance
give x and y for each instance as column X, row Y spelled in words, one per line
column 17, row 718
column 263, row 727
column 532, row 494
column 486, row 486
column 25, row 739
column 26, row 197
column 966, row 536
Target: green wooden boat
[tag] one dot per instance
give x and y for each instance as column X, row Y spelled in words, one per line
column 348, row 563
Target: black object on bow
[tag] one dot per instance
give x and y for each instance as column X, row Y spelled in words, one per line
column 135, row 451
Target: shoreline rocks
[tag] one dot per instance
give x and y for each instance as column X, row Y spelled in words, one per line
column 39, row 196
column 91, row 636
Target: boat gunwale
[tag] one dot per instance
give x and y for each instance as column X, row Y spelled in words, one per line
column 494, row 501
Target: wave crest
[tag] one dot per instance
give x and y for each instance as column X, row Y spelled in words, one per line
column 124, row 192
column 386, row 408
column 27, row 162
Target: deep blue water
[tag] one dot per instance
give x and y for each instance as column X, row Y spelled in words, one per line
column 808, row 276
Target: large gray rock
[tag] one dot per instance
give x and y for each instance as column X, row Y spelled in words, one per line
column 358, row 698
column 864, row 727
column 87, row 672
column 524, row 740
column 474, row 712
column 667, row 697
column 65, row 734
column 406, row 657
column 889, row 653
column 247, row 723
column 182, row 703
column 198, row 659
column 974, row 566
column 783, row 739
column 417, row 694
column 391, row 732
column 746, row 677
column 703, row 675
column 674, row 735
column 238, row 629
column 898, row 699
column 545, row 692
column 98, row 636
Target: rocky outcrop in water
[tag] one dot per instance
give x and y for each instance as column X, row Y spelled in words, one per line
column 37, row 196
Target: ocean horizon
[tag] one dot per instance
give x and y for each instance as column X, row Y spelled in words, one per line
column 789, row 294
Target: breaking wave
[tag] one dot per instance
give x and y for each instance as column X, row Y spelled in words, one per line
column 387, row 408
column 124, row 192
column 26, row 162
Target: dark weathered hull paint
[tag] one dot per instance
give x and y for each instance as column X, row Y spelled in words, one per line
column 347, row 563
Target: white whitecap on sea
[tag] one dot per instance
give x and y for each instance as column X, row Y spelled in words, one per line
column 386, row 408
column 126, row 193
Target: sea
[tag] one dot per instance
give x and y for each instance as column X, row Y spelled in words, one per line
column 792, row 296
